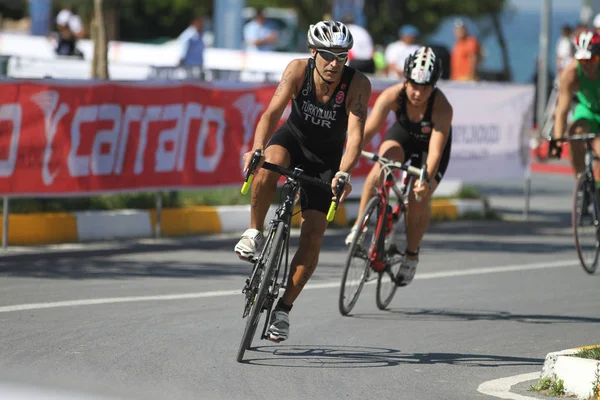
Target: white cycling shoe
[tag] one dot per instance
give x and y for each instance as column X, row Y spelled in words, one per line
column 280, row 326
column 407, row 271
column 247, row 246
column 352, row 234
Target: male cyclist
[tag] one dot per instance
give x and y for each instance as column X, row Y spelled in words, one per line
column 423, row 124
column 582, row 77
column 329, row 104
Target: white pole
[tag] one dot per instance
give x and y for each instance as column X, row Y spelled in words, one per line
column 544, row 55
column 527, row 193
column 158, row 214
column 5, row 206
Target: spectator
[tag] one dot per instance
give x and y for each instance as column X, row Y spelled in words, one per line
column 564, row 49
column 466, row 54
column 258, row 34
column 596, row 23
column 70, row 29
column 397, row 52
column 361, row 54
column 192, row 44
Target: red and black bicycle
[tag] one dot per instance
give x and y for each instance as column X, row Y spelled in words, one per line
column 379, row 244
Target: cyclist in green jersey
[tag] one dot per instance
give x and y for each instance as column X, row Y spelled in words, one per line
column 582, row 78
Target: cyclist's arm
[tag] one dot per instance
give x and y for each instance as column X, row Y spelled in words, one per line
column 288, row 87
column 567, row 85
column 386, row 102
column 358, row 103
column 442, row 118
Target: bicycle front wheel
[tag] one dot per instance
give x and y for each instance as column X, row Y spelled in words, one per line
column 357, row 269
column 270, row 261
column 585, row 223
column 386, row 281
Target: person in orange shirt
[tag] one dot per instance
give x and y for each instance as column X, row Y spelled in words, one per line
column 466, row 54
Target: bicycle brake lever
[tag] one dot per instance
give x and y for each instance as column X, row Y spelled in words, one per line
column 339, row 191
column 250, row 174
column 422, row 177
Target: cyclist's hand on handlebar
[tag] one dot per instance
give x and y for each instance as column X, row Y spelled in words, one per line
column 248, row 159
column 422, row 190
column 345, row 193
column 555, row 149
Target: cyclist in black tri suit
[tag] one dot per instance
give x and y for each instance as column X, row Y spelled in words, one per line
column 424, row 118
column 329, row 108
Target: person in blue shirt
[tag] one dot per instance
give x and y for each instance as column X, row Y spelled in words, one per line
column 259, row 35
column 191, row 43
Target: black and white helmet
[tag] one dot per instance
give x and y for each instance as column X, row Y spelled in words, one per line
column 330, row 35
column 423, row 67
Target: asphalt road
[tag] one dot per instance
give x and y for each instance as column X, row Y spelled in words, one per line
column 162, row 320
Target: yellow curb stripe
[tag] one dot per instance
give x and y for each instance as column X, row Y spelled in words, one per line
column 187, row 221
column 586, row 347
column 444, row 209
column 40, row 228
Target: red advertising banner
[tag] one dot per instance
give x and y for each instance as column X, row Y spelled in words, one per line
column 65, row 139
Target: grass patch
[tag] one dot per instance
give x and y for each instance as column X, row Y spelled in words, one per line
column 549, row 386
column 591, row 353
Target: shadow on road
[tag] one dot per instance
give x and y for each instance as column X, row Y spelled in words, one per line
column 324, row 356
column 441, row 314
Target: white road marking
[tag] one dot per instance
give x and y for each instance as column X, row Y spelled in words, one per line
column 238, row 292
column 500, row 388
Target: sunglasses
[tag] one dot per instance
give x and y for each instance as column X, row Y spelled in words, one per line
column 329, row 56
column 590, row 60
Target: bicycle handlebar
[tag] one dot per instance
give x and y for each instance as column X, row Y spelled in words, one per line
column 581, row 137
column 421, row 173
column 299, row 176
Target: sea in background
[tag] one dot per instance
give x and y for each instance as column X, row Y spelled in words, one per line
column 521, row 32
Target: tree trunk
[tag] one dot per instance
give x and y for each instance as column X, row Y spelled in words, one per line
column 100, row 44
column 507, row 71
column 94, row 38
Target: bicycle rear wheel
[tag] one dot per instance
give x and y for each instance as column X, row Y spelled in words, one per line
column 270, row 260
column 357, row 269
column 585, row 223
column 386, row 281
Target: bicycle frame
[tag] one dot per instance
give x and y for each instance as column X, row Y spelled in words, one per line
column 282, row 218
column 376, row 255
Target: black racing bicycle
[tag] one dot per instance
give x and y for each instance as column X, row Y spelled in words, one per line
column 269, row 273
column 376, row 246
column 585, row 216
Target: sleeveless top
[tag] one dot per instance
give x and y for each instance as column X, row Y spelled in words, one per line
column 320, row 128
column 589, row 91
column 420, row 131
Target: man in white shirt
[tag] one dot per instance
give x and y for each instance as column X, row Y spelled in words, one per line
column 360, row 56
column 258, row 34
column 564, row 49
column 397, row 52
column 191, row 43
column 70, row 29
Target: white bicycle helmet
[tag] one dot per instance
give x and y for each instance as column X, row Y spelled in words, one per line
column 330, row 35
column 587, row 44
column 423, row 67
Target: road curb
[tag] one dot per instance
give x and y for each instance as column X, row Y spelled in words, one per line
column 89, row 226
column 578, row 374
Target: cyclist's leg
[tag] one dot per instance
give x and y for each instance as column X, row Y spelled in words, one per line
column 315, row 203
column 583, row 120
column 304, row 262
column 281, row 150
column 418, row 216
column 595, row 128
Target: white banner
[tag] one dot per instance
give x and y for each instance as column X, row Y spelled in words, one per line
column 489, row 128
